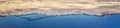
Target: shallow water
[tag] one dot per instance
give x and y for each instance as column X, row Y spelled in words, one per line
column 72, row 21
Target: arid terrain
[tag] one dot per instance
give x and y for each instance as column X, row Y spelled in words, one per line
column 59, row 7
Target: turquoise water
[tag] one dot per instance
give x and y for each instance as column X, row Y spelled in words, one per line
column 72, row 21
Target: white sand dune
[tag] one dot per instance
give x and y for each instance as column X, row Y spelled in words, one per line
column 59, row 7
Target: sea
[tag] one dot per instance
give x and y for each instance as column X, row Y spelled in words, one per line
column 70, row 21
